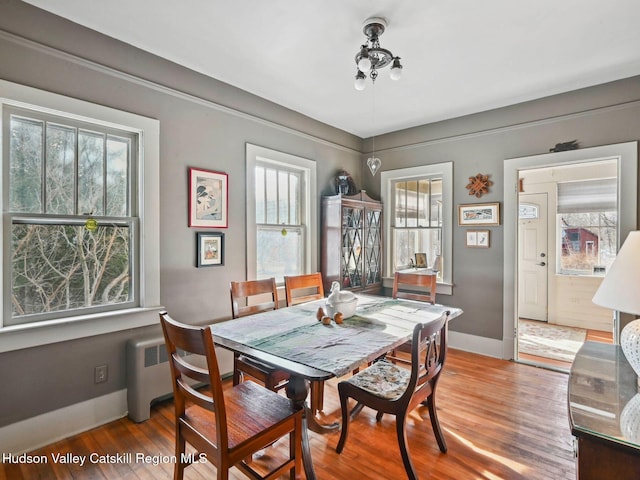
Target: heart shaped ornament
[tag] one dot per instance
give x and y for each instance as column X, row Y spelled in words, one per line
column 374, row 165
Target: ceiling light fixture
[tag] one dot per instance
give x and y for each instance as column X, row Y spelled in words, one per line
column 371, row 57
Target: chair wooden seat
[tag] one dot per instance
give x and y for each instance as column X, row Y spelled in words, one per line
column 388, row 388
column 228, row 427
column 250, row 410
column 241, row 295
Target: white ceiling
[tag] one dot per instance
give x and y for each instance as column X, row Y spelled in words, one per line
column 459, row 56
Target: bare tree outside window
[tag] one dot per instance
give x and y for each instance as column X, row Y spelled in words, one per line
column 61, row 174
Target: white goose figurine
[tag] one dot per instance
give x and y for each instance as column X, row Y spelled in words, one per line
column 336, row 296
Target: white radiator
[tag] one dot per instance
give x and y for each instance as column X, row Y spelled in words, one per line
column 149, row 374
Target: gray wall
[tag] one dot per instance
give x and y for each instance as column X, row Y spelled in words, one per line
column 194, row 132
column 480, row 143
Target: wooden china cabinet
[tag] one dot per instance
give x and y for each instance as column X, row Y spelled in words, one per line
column 352, row 242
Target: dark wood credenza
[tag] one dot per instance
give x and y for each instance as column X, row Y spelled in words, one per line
column 604, row 413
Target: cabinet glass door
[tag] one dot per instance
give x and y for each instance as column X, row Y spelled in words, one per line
column 373, row 249
column 352, row 232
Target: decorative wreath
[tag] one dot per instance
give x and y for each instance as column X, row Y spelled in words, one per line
column 479, row 185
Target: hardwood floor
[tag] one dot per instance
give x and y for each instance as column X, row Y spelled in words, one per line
column 501, row 420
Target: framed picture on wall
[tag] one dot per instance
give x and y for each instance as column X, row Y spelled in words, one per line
column 479, row 214
column 477, row 238
column 210, row 247
column 208, row 198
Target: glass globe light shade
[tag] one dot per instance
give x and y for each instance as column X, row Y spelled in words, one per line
column 396, row 69
column 361, row 81
column 364, row 64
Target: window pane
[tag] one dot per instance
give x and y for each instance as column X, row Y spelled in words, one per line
column 408, row 242
column 588, row 242
column 117, row 176
column 400, row 204
column 90, row 173
column 60, row 181
column 436, row 203
column 294, row 197
column 423, row 202
column 412, row 203
column 283, row 197
column 25, row 166
column 260, row 196
column 279, row 252
column 64, row 267
column 272, row 196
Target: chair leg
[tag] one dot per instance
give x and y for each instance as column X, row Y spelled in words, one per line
column 435, row 424
column 178, row 471
column 404, row 447
column 236, row 372
column 344, row 408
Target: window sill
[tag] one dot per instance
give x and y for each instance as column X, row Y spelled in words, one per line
column 18, row 337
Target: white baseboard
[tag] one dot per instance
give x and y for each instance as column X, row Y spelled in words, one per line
column 50, row 427
column 472, row 343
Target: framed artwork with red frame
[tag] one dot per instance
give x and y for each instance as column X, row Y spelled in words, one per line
column 208, row 198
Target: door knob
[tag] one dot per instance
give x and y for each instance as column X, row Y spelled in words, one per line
column 542, row 264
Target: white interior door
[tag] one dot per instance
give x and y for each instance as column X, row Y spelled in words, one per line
column 533, row 261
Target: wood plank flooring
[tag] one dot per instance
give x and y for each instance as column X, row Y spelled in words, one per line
column 501, row 420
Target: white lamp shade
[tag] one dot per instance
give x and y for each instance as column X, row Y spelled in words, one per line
column 620, row 288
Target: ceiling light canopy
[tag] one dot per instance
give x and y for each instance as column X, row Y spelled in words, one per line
column 371, row 57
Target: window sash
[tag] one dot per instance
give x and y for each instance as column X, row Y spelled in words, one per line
column 117, row 160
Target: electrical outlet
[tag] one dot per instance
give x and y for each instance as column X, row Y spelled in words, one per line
column 101, row 373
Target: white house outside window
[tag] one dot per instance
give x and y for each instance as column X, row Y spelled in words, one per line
column 281, row 218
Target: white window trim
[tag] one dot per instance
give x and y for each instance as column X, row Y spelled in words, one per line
column 256, row 153
column 444, row 170
column 41, row 333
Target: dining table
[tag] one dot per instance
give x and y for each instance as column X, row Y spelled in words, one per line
column 294, row 340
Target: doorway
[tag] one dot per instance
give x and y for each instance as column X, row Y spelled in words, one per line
column 527, row 287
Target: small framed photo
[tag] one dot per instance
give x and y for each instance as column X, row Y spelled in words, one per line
column 421, row 260
column 210, row 247
column 479, row 214
column 208, row 198
column 477, row 238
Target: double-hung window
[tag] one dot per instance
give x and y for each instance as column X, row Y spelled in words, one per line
column 418, row 218
column 281, row 218
column 80, row 229
column 71, row 216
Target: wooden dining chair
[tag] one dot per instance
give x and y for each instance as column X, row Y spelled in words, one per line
column 404, row 285
column 228, row 427
column 390, row 388
column 303, row 288
column 404, row 281
column 266, row 293
column 300, row 289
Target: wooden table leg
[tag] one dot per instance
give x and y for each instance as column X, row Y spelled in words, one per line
column 297, row 390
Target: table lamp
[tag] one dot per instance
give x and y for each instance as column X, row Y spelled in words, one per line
column 620, row 290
